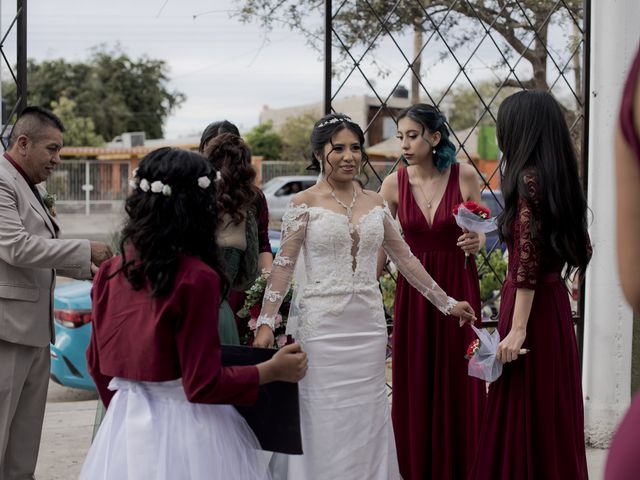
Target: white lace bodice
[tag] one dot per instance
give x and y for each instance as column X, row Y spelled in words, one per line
column 339, row 263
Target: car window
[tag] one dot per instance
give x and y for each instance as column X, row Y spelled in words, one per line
column 308, row 183
column 271, row 184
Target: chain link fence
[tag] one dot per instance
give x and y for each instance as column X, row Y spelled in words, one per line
column 464, row 57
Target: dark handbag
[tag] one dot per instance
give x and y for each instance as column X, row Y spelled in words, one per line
column 275, row 417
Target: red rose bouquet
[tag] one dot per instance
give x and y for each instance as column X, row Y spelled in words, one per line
column 473, row 217
column 481, row 354
column 472, row 349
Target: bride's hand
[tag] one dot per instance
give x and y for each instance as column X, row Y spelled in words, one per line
column 464, row 312
column 264, row 337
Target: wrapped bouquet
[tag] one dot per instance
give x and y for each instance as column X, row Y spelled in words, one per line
column 251, row 310
column 481, row 354
column 473, row 217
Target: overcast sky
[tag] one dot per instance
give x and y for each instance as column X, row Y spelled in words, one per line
column 226, row 69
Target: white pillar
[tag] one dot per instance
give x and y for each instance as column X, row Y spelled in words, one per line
column 608, row 318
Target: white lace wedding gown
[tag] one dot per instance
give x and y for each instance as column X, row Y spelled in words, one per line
column 345, row 414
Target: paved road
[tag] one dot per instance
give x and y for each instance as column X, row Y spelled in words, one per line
column 66, row 436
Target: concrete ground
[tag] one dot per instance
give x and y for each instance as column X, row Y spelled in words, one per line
column 68, row 425
column 97, row 226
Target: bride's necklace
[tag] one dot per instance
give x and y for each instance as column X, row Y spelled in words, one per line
column 348, row 208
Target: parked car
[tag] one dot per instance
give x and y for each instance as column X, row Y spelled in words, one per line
column 493, row 200
column 72, row 323
column 280, row 190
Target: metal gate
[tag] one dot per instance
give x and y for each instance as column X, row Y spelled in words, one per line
column 464, row 57
column 89, row 186
column 17, row 30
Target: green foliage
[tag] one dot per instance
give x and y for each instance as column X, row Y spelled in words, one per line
column 487, row 143
column 264, row 141
column 295, row 135
column 118, row 93
column 79, row 130
column 463, row 107
column 388, row 287
column 491, row 273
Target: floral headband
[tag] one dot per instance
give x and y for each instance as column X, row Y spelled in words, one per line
column 159, row 187
column 335, row 120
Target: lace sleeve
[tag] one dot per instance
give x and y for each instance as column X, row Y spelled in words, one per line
column 527, row 243
column 411, row 268
column 294, row 227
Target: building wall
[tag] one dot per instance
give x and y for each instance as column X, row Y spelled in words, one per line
column 361, row 108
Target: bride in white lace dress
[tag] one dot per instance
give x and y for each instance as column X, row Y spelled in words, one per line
column 336, row 229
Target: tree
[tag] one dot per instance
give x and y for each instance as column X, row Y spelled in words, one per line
column 116, row 92
column 264, row 141
column 79, row 131
column 295, row 135
column 517, row 22
column 463, row 108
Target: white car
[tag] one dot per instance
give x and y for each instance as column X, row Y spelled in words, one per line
column 280, row 190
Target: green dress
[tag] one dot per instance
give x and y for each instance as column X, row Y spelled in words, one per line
column 241, row 269
column 227, row 327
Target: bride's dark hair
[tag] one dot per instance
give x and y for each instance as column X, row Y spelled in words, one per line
column 323, row 133
column 163, row 227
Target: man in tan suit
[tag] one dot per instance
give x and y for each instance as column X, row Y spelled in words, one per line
column 30, row 255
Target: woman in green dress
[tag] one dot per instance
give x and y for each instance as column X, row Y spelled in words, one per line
column 238, row 233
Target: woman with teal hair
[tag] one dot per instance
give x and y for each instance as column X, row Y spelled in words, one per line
column 436, row 406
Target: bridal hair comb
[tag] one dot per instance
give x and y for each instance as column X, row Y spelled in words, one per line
column 341, row 118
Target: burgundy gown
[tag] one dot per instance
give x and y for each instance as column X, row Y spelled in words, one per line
column 624, row 454
column 436, row 407
column 534, row 422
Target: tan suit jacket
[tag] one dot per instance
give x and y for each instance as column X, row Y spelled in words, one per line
column 30, row 254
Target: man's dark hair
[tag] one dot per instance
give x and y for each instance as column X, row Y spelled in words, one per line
column 32, row 120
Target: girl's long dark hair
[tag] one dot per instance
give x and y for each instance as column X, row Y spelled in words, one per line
column 534, row 139
column 236, row 190
column 161, row 229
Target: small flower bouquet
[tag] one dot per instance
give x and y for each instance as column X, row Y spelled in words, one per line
column 473, row 217
column 251, row 310
column 472, row 349
column 481, row 354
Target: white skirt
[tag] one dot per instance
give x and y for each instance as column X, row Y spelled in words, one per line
column 151, row 431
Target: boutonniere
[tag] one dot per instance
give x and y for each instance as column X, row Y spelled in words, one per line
column 49, row 200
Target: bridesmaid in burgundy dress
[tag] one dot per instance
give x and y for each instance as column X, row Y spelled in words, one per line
column 534, row 423
column 436, row 406
column 624, row 461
